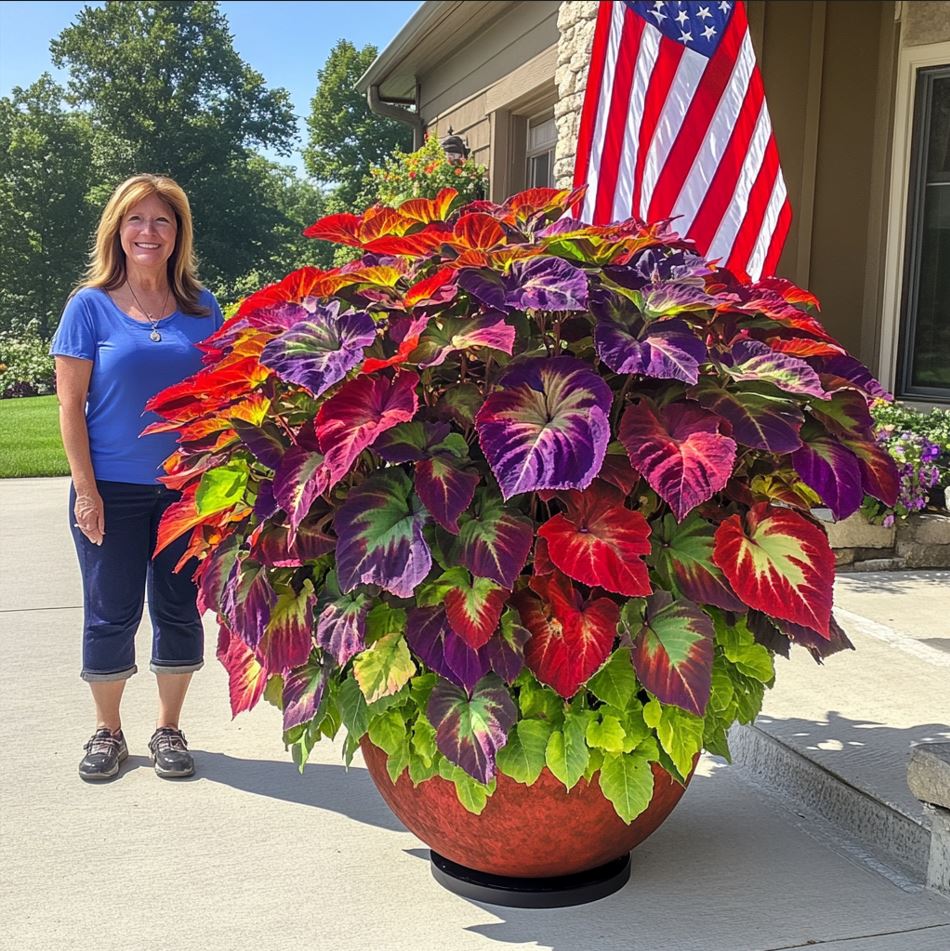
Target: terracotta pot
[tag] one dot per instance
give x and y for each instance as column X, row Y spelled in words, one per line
column 537, row 831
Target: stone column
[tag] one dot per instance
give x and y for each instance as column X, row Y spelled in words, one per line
column 575, row 20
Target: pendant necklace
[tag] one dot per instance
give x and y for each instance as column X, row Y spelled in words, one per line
column 154, row 321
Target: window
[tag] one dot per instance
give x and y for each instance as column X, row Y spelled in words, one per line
column 542, row 139
column 924, row 357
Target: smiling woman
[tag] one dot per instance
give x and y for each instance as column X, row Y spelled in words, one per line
column 130, row 329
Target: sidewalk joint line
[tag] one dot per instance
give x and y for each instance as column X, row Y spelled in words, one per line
column 857, row 937
column 882, row 632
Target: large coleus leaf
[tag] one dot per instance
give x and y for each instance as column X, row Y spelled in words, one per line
column 663, row 349
column 321, row 348
column 275, row 548
column 350, row 420
column 879, row 475
column 505, row 648
column 546, row 283
column 472, row 729
column 448, row 335
column 780, row 563
column 396, row 346
column 303, row 692
column 845, row 414
column 758, row 362
column 683, row 555
column 494, row 541
column 248, row 600
column 673, row 652
column 445, row 489
column 547, row 428
column 213, row 573
column 341, row 621
column 679, row 451
column 384, row 668
column 570, row 639
column 380, row 536
column 473, row 608
column 288, row 637
column 266, row 441
column 759, row 419
column 300, row 478
column 433, row 640
column 600, row 542
column 831, row 470
column 246, row 675
column 855, row 372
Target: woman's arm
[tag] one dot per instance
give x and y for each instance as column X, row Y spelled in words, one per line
column 72, row 386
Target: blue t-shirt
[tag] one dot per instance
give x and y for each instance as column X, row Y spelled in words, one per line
column 128, row 369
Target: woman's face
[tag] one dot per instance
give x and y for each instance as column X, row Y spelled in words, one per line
column 148, row 233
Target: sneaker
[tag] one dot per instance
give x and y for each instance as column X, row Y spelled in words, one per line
column 104, row 751
column 170, row 753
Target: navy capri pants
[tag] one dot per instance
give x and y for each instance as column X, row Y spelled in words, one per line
column 116, row 576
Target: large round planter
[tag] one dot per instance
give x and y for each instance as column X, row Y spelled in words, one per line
column 527, row 832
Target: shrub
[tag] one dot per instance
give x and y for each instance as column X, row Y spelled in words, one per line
column 26, row 368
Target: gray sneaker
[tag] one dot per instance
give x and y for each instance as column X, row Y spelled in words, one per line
column 104, row 751
column 170, row 753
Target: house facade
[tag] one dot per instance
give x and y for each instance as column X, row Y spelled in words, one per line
column 859, row 96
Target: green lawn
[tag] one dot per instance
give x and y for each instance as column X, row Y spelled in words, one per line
column 29, row 438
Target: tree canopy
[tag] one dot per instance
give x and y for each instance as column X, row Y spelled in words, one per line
column 345, row 138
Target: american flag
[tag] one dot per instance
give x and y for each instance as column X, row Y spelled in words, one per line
column 675, row 124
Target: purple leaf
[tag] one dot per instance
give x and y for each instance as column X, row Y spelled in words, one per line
column 759, row 420
column 321, row 348
column 484, row 285
column 448, row 335
column 265, row 441
column 410, row 442
column 288, row 639
column 546, row 284
column 471, row 730
column 274, row 547
column 831, row 470
column 505, row 649
column 301, row 476
column 248, row 601
column 665, row 349
column 303, row 692
column 758, row 362
column 431, row 638
column 547, row 428
column 495, row 541
column 380, row 536
column 445, row 490
column 857, row 373
column 341, row 622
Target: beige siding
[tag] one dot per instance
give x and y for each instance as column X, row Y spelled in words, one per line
column 925, row 21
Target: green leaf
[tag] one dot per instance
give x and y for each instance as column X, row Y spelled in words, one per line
column 221, row 488
column 715, row 739
column 384, row 668
column 274, row 691
column 419, row 770
column 384, row 619
column 472, row 794
column 538, row 702
column 594, row 763
column 353, row 708
column 606, row 733
column 740, row 648
column 523, row 756
column 423, row 739
column 397, row 761
column 652, row 713
column 567, row 754
column 615, row 683
column 627, row 781
column 681, row 734
column 388, row 732
column 432, row 593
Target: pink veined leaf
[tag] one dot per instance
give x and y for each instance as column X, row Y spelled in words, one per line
column 247, row 677
column 350, row 420
column 681, row 453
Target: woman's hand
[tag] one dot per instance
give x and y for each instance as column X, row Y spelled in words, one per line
column 90, row 516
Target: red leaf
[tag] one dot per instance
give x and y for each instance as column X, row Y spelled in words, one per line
column 779, row 563
column 342, row 228
column 246, row 676
column 438, row 288
column 351, row 420
column 600, row 543
column 423, row 242
column 478, row 231
column 425, row 210
column 570, row 639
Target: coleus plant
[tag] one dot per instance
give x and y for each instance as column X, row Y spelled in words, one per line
column 513, row 492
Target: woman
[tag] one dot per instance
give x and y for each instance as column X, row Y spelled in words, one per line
column 128, row 331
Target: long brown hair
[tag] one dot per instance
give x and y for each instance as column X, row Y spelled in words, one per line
column 107, row 260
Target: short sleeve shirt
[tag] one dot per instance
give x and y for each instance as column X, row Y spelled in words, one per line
column 128, row 369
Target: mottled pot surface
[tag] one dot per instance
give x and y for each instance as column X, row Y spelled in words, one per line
column 524, row 831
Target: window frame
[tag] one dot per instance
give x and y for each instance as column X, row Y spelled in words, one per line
column 530, row 153
column 916, row 193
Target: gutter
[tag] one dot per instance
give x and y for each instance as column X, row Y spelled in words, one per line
column 390, row 107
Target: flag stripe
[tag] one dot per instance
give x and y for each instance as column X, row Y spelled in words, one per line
column 659, row 84
column 696, row 122
column 675, row 125
column 617, row 118
column 595, row 74
column 719, row 196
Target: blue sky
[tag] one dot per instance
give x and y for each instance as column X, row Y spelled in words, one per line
column 285, row 41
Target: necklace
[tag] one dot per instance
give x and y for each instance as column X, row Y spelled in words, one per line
column 154, row 321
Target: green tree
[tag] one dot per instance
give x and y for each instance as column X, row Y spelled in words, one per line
column 345, row 138
column 45, row 220
column 166, row 92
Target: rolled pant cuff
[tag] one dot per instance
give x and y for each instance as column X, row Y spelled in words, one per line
column 156, row 667
column 92, row 676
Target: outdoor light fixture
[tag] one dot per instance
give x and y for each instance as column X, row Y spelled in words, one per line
column 455, row 149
